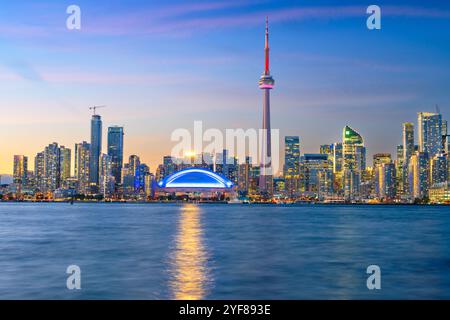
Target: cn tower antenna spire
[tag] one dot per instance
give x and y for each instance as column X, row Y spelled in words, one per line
column 266, row 84
column 267, row 50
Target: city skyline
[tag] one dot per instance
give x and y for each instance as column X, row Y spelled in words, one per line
column 368, row 85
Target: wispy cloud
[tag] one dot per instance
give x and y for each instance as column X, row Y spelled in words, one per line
column 185, row 19
column 110, row 78
column 170, row 23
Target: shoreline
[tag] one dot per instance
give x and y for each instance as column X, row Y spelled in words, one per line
column 231, row 204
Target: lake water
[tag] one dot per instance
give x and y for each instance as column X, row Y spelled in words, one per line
column 168, row 251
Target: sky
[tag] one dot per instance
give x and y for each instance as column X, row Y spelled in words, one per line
column 161, row 65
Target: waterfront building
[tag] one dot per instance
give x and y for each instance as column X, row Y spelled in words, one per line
column 430, row 133
column 440, row 193
column 279, row 186
column 317, row 174
column 52, row 167
column 244, row 176
column 139, row 182
column 149, row 186
column 253, row 181
column 419, row 175
column 354, row 161
column 385, row 187
column 65, row 165
column 291, row 169
column 438, row 169
column 20, row 170
column 338, row 166
column 39, row 172
column 107, row 178
column 169, row 167
column 82, row 167
column 96, row 149
column 128, row 176
column 399, row 172
column 115, row 151
column 326, row 149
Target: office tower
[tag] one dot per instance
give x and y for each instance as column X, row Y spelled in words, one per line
column 96, row 149
column 220, row 162
column 385, row 180
column 438, row 169
column 142, row 172
column 253, row 181
column 65, row 164
column 419, row 172
column 134, row 162
column 317, row 174
column 430, row 133
column 82, row 166
column 160, row 172
column 128, row 179
column 447, row 145
column 354, row 161
column 115, row 151
column 208, row 161
column 149, row 186
column 169, row 166
column 107, row 179
column 338, row 165
column 52, row 165
column 408, row 140
column 380, row 158
column 39, row 172
column 244, row 176
column 266, row 83
column 400, row 177
column 326, row 149
column 230, row 169
column 279, row 187
column 409, row 148
column 291, row 170
column 400, row 153
column 20, row 172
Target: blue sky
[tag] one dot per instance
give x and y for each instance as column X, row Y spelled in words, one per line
column 161, row 65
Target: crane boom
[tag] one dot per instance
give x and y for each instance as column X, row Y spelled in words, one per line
column 95, row 108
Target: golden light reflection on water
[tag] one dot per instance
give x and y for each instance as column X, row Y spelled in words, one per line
column 190, row 273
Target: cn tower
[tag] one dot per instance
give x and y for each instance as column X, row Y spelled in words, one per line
column 266, row 83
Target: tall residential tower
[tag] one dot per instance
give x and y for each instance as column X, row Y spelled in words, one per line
column 115, row 151
column 96, row 148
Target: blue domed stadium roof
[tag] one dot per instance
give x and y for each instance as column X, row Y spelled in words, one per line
column 195, row 178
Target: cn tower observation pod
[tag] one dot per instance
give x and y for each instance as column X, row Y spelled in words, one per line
column 195, row 178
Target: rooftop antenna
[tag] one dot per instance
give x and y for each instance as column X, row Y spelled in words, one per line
column 95, row 108
column 438, row 110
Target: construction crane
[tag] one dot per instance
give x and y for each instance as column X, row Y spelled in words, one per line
column 95, row 108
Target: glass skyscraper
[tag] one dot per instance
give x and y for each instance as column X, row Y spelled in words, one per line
column 354, row 161
column 96, row 148
column 430, row 133
column 291, row 163
column 115, row 151
column 52, row 167
column 419, row 175
column 82, row 158
column 65, row 164
column 20, row 169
